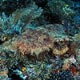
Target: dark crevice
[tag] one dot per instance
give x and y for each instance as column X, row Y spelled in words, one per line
column 53, row 18
column 12, row 5
column 13, row 75
column 41, row 3
column 1, row 42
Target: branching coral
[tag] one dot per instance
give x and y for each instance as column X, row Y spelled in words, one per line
column 28, row 14
column 15, row 23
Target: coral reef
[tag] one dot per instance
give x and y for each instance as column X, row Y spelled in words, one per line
column 39, row 40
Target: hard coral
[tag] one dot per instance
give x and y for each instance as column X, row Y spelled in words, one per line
column 28, row 14
column 15, row 23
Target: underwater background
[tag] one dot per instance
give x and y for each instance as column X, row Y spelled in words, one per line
column 39, row 39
